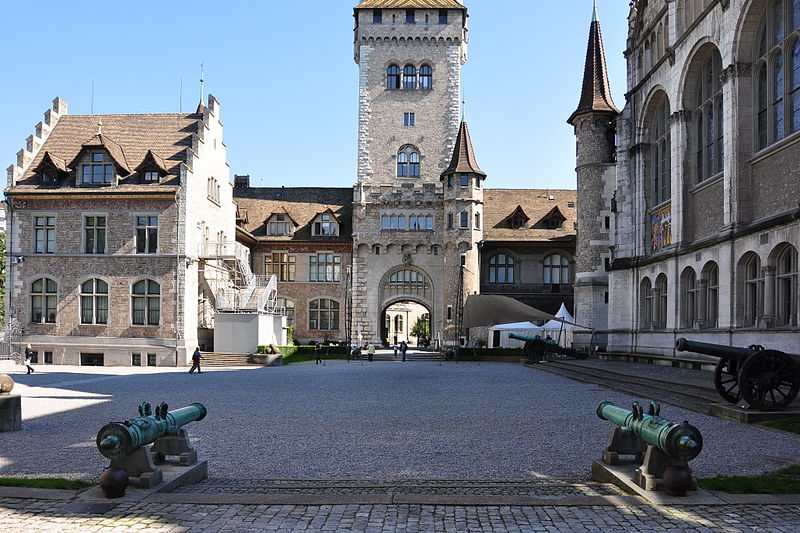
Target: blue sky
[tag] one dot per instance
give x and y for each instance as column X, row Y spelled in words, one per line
column 285, row 75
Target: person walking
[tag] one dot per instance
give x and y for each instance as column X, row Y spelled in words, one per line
column 403, row 350
column 317, row 353
column 196, row 361
column 370, row 351
column 29, row 358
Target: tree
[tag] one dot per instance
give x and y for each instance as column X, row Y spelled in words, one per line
column 422, row 328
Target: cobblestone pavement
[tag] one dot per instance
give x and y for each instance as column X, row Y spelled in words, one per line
column 37, row 516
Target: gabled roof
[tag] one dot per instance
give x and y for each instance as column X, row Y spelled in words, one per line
column 519, row 213
column 51, row 161
column 400, row 4
column 282, row 211
column 152, row 160
column 554, row 213
column 463, row 154
column 596, row 91
column 536, row 203
column 329, row 212
column 99, row 140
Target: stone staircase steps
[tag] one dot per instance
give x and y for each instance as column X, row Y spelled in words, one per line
column 225, row 359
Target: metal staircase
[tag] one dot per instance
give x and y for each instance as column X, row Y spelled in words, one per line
column 236, row 289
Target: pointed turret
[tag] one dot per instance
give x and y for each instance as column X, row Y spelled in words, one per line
column 596, row 92
column 463, row 160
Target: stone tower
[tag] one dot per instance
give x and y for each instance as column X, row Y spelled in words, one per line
column 594, row 123
column 410, row 63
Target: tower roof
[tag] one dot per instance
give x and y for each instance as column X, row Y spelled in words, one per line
column 401, row 4
column 463, row 154
column 596, row 91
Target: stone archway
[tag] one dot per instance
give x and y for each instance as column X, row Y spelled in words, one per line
column 404, row 284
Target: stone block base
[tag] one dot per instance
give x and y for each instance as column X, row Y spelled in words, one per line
column 10, row 412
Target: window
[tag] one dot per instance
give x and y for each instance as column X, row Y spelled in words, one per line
column 753, row 290
column 646, row 309
column 146, row 303
column 661, row 303
column 35, row 357
column 44, row 298
column 151, row 175
column 477, row 221
column 323, row 315
column 97, row 172
column 777, row 79
column 281, row 265
column 212, row 191
column 94, row 302
column 420, row 222
column 690, row 298
column 288, row 309
column 464, row 180
column 449, row 182
column 94, row 229
column 278, row 225
column 325, row 268
column 464, row 222
column 410, row 16
column 48, row 358
column 50, row 177
column 136, row 359
column 377, row 16
column 435, row 250
column 786, row 285
column 660, row 153
column 45, row 235
column 146, row 234
column 393, row 222
column 152, row 360
column 325, row 225
column 408, row 162
column 376, row 249
column 708, row 127
column 407, row 282
column 501, row 269
column 556, row 269
column 393, row 77
column 408, row 120
column 442, row 16
column 425, row 77
column 449, row 220
column 409, row 77
column 711, row 276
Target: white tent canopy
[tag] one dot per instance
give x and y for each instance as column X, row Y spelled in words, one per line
column 558, row 330
column 498, row 334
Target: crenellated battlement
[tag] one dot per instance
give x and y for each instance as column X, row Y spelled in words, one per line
column 34, row 142
column 403, row 194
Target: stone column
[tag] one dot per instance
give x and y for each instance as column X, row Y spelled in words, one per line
column 768, row 320
column 679, row 132
column 702, row 303
column 736, row 82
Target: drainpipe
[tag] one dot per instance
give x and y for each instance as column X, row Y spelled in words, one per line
column 177, row 274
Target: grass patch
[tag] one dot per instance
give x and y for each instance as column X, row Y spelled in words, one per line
column 303, row 357
column 792, row 425
column 43, row 483
column 784, row 481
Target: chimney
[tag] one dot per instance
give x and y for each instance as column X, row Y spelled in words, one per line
column 241, row 182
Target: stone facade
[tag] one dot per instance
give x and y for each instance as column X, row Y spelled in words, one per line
column 705, row 231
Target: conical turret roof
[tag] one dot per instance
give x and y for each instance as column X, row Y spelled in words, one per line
column 463, row 155
column 596, row 91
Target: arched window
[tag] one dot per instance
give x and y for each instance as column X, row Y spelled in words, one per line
column 777, row 68
column 786, row 286
column 425, row 77
column 398, row 324
column 393, row 77
column 708, row 132
column 501, row 269
column 409, row 77
column 689, row 298
column 408, row 162
column 288, row 308
column 647, row 306
column 146, row 303
column 44, row 300
column 94, row 302
column 661, row 304
column 323, row 315
column 556, row 269
column 751, row 290
column 407, row 282
column 660, row 152
column 711, row 277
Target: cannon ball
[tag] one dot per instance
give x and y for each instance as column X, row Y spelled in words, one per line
column 6, row 383
column 114, row 481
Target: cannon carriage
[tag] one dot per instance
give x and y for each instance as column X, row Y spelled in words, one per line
column 537, row 348
column 765, row 379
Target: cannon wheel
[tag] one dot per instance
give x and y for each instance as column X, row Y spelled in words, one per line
column 726, row 380
column 769, row 380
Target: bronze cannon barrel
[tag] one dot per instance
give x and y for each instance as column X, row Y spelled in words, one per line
column 717, row 350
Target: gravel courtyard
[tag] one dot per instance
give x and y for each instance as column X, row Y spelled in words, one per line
column 357, row 420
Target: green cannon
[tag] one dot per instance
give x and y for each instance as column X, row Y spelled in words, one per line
column 125, row 444
column 536, row 347
column 662, row 447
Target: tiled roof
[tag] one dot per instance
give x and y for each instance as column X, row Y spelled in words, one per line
column 402, row 4
column 463, row 154
column 302, row 204
column 596, row 91
column 167, row 135
column 500, row 204
column 113, row 149
column 49, row 160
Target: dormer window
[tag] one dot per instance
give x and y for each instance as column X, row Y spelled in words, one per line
column 97, row 172
column 49, row 177
column 279, row 225
column 518, row 218
column 326, row 225
column 150, row 176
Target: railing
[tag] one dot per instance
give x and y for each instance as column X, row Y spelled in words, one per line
column 218, row 250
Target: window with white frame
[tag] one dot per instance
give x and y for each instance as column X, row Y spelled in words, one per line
column 325, row 268
column 94, row 302
column 146, row 234
column 408, row 162
column 501, row 269
column 98, row 171
column 409, row 120
column 94, row 231
column 690, row 298
column 279, row 225
column 711, row 275
column 151, row 176
column 786, row 286
column 44, row 301
column 556, row 269
column 44, row 231
column 213, row 190
column 146, row 303
column 752, row 293
column 323, row 315
column 288, row 308
column 326, row 225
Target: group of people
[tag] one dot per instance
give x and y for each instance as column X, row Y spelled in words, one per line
column 370, row 349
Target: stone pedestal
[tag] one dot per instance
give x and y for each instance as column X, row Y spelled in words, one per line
column 10, row 412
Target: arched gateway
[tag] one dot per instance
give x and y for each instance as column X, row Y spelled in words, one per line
column 406, row 295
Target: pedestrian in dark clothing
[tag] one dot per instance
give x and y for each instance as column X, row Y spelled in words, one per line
column 29, row 358
column 395, row 349
column 196, row 361
column 403, row 350
column 317, row 353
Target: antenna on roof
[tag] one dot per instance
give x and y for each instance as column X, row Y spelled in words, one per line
column 92, row 104
column 201, row 83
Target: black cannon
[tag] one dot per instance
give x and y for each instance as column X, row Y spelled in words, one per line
column 765, row 379
column 536, row 347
